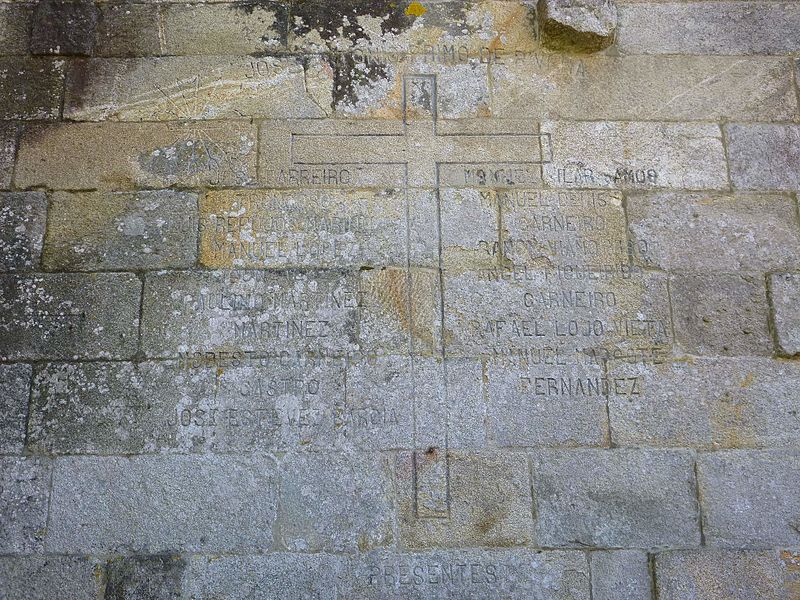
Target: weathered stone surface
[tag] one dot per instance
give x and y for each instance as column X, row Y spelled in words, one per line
column 710, row 232
column 582, row 25
column 784, row 292
column 749, row 498
column 95, row 231
column 635, row 155
column 708, row 403
column 372, row 87
column 277, row 228
column 30, row 88
column 731, row 28
column 726, row 575
column 468, row 573
column 447, row 32
column 343, row 299
column 562, row 403
column 720, row 314
column 143, row 577
column 64, row 27
column 14, row 394
column 336, row 502
column 127, row 29
column 69, row 315
column 620, row 575
column 123, row 155
column 14, row 27
column 574, row 311
column 47, row 577
column 615, row 498
column 8, row 146
column 421, row 153
column 176, row 88
column 229, row 28
column 23, row 217
column 323, row 312
column 491, row 230
column 489, row 500
column 23, row 504
column 202, row 404
column 764, row 156
column 111, row 504
column 277, row 575
column 643, row 87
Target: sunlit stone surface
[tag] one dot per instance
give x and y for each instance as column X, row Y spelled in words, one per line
column 343, row 300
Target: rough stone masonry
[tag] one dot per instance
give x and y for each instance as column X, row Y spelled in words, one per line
column 379, row 299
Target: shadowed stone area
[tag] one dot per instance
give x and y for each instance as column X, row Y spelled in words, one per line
column 394, row 299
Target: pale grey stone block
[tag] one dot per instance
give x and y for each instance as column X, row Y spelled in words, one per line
column 711, row 574
column 711, row 232
column 611, row 498
column 784, row 292
column 620, row 575
column 582, row 25
column 468, row 573
column 175, row 87
column 708, row 403
column 537, row 227
column 635, row 155
column 159, row 504
column 23, row 218
column 572, row 309
column 721, row 314
column 14, row 394
column 317, row 229
column 325, row 312
column 69, row 315
column 336, row 502
column 731, row 28
column 48, row 577
column 680, row 87
column 764, row 157
column 96, row 231
column 489, row 500
column 749, row 498
column 24, row 491
column 548, row 405
column 267, row 577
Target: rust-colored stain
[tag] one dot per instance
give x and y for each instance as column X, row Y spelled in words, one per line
column 415, row 9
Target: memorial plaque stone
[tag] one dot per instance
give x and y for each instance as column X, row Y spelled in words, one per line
column 436, row 299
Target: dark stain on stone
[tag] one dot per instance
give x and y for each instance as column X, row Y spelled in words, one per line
column 350, row 73
column 281, row 12
column 78, row 79
column 64, row 27
column 487, row 522
column 144, row 578
column 335, row 18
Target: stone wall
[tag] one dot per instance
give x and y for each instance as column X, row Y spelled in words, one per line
column 369, row 299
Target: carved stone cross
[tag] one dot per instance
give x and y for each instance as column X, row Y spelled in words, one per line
column 414, row 152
